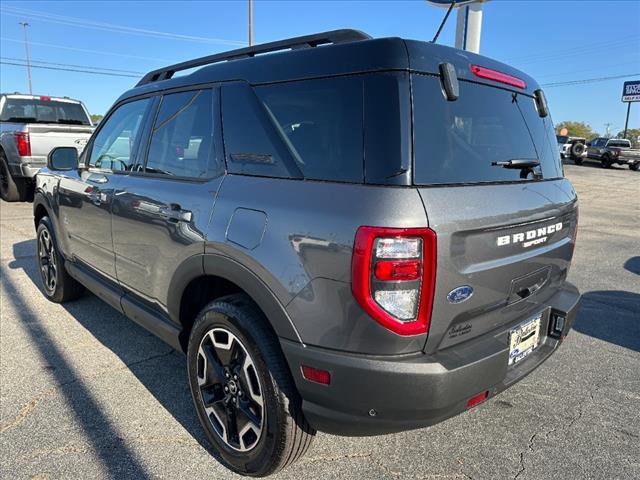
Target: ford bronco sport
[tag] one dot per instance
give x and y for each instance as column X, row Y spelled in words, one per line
column 352, row 235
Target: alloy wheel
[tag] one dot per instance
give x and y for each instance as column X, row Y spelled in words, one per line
column 47, row 258
column 230, row 390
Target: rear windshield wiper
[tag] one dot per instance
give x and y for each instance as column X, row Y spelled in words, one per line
column 517, row 164
column 526, row 167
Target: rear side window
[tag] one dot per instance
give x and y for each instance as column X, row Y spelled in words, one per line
column 456, row 142
column 43, row 111
column 321, row 123
column 182, row 143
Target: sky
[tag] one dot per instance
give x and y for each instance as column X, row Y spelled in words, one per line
column 553, row 41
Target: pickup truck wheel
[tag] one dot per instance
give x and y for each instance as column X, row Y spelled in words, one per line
column 606, row 162
column 634, row 166
column 11, row 189
column 57, row 284
column 243, row 391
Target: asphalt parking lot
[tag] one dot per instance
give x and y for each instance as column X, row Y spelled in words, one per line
column 86, row 393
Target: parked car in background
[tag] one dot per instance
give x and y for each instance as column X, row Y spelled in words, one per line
column 610, row 151
column 30, row 127
column 572, row 147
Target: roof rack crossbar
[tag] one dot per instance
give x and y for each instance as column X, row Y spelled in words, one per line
column 307, row 41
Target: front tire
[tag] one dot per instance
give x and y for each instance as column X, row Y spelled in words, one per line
column 11, row 189
column 243, row 391
column 606, row 162
column 634, row 166
column 57, row 285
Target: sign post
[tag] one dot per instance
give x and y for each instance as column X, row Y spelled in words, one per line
column 630, row 93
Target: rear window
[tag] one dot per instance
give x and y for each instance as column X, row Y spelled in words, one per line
column 619, row 143
column 23, row 110
column 562, row 139
column 456, row 141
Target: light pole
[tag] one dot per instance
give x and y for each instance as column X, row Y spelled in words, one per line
column 26, row 47
column 250, row 22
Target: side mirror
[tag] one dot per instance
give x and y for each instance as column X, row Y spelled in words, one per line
column 63, row 158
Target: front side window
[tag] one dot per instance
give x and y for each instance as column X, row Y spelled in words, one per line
column 115, row 144
column 182, row 142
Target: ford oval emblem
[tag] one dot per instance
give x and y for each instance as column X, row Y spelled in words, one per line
column 460, row 294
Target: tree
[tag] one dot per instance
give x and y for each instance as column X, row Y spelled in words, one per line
column 96, row 118
column 633, row 134
column 577, row 129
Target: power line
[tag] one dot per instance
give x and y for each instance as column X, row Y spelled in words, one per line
column 588, row 80
column 85, row 23
column 74, row 65
column 71, row 70
column 76, row 49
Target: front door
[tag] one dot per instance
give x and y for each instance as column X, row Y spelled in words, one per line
column 86, row 196
column 161, row 211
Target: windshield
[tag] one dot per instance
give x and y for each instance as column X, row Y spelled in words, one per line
column 43, row 111
column 458, row 141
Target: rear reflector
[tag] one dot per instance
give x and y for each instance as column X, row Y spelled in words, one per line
column 496, row 76
column 23, row 143
column 398, row 270
column 316, row 375
column 481, row 397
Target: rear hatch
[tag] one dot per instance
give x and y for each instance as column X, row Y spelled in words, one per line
column 508, row 238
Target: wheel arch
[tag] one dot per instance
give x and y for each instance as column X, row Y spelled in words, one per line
column 203, row 278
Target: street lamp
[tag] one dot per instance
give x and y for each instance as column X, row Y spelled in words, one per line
column 26, row 47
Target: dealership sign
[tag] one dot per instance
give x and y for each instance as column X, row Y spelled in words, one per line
column 631, row 91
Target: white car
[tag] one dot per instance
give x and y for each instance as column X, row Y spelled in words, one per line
column 572, row 147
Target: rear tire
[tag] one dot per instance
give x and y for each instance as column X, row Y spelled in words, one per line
column 249, row 389
column 606, row 162
column 57, row 285
column 634, row 166
column 578, row 161
column 11, row 189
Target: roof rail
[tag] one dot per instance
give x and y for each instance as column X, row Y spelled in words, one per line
column 334, row 36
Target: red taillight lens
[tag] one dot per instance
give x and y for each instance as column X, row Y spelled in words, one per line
column 496, row 76
column 400, row 270
column 23, row 142
column 393, row 276
column 316, row 375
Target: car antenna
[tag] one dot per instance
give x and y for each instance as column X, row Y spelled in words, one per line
column 444, row 20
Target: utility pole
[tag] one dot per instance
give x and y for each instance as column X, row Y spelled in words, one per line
column 607, row 125
column 250, row 22
column 26, row 47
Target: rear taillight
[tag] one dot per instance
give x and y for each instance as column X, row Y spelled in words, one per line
column 496, row 76
column 393, row 276
column 23, row 142
column 616, row 152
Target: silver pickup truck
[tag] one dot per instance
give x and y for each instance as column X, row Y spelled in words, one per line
column 30, row 127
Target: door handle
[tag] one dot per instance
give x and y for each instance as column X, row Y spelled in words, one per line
column 175, row 213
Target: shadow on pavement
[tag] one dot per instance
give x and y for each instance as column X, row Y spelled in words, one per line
column 612, row 316
column 633, row 265
column 156, row 365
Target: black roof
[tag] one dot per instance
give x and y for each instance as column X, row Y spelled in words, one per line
column 339, row 52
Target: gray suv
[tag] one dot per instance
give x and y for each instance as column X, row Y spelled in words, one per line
column 353, row 235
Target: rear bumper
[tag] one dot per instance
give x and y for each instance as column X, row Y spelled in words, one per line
column 371, row 395
column 27, row 167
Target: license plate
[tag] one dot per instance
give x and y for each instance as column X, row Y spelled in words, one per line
column 524, row 339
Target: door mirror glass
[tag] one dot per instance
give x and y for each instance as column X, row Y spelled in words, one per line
column 63, row 158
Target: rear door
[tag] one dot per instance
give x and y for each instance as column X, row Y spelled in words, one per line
column 163, row 205
column 509, row 238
